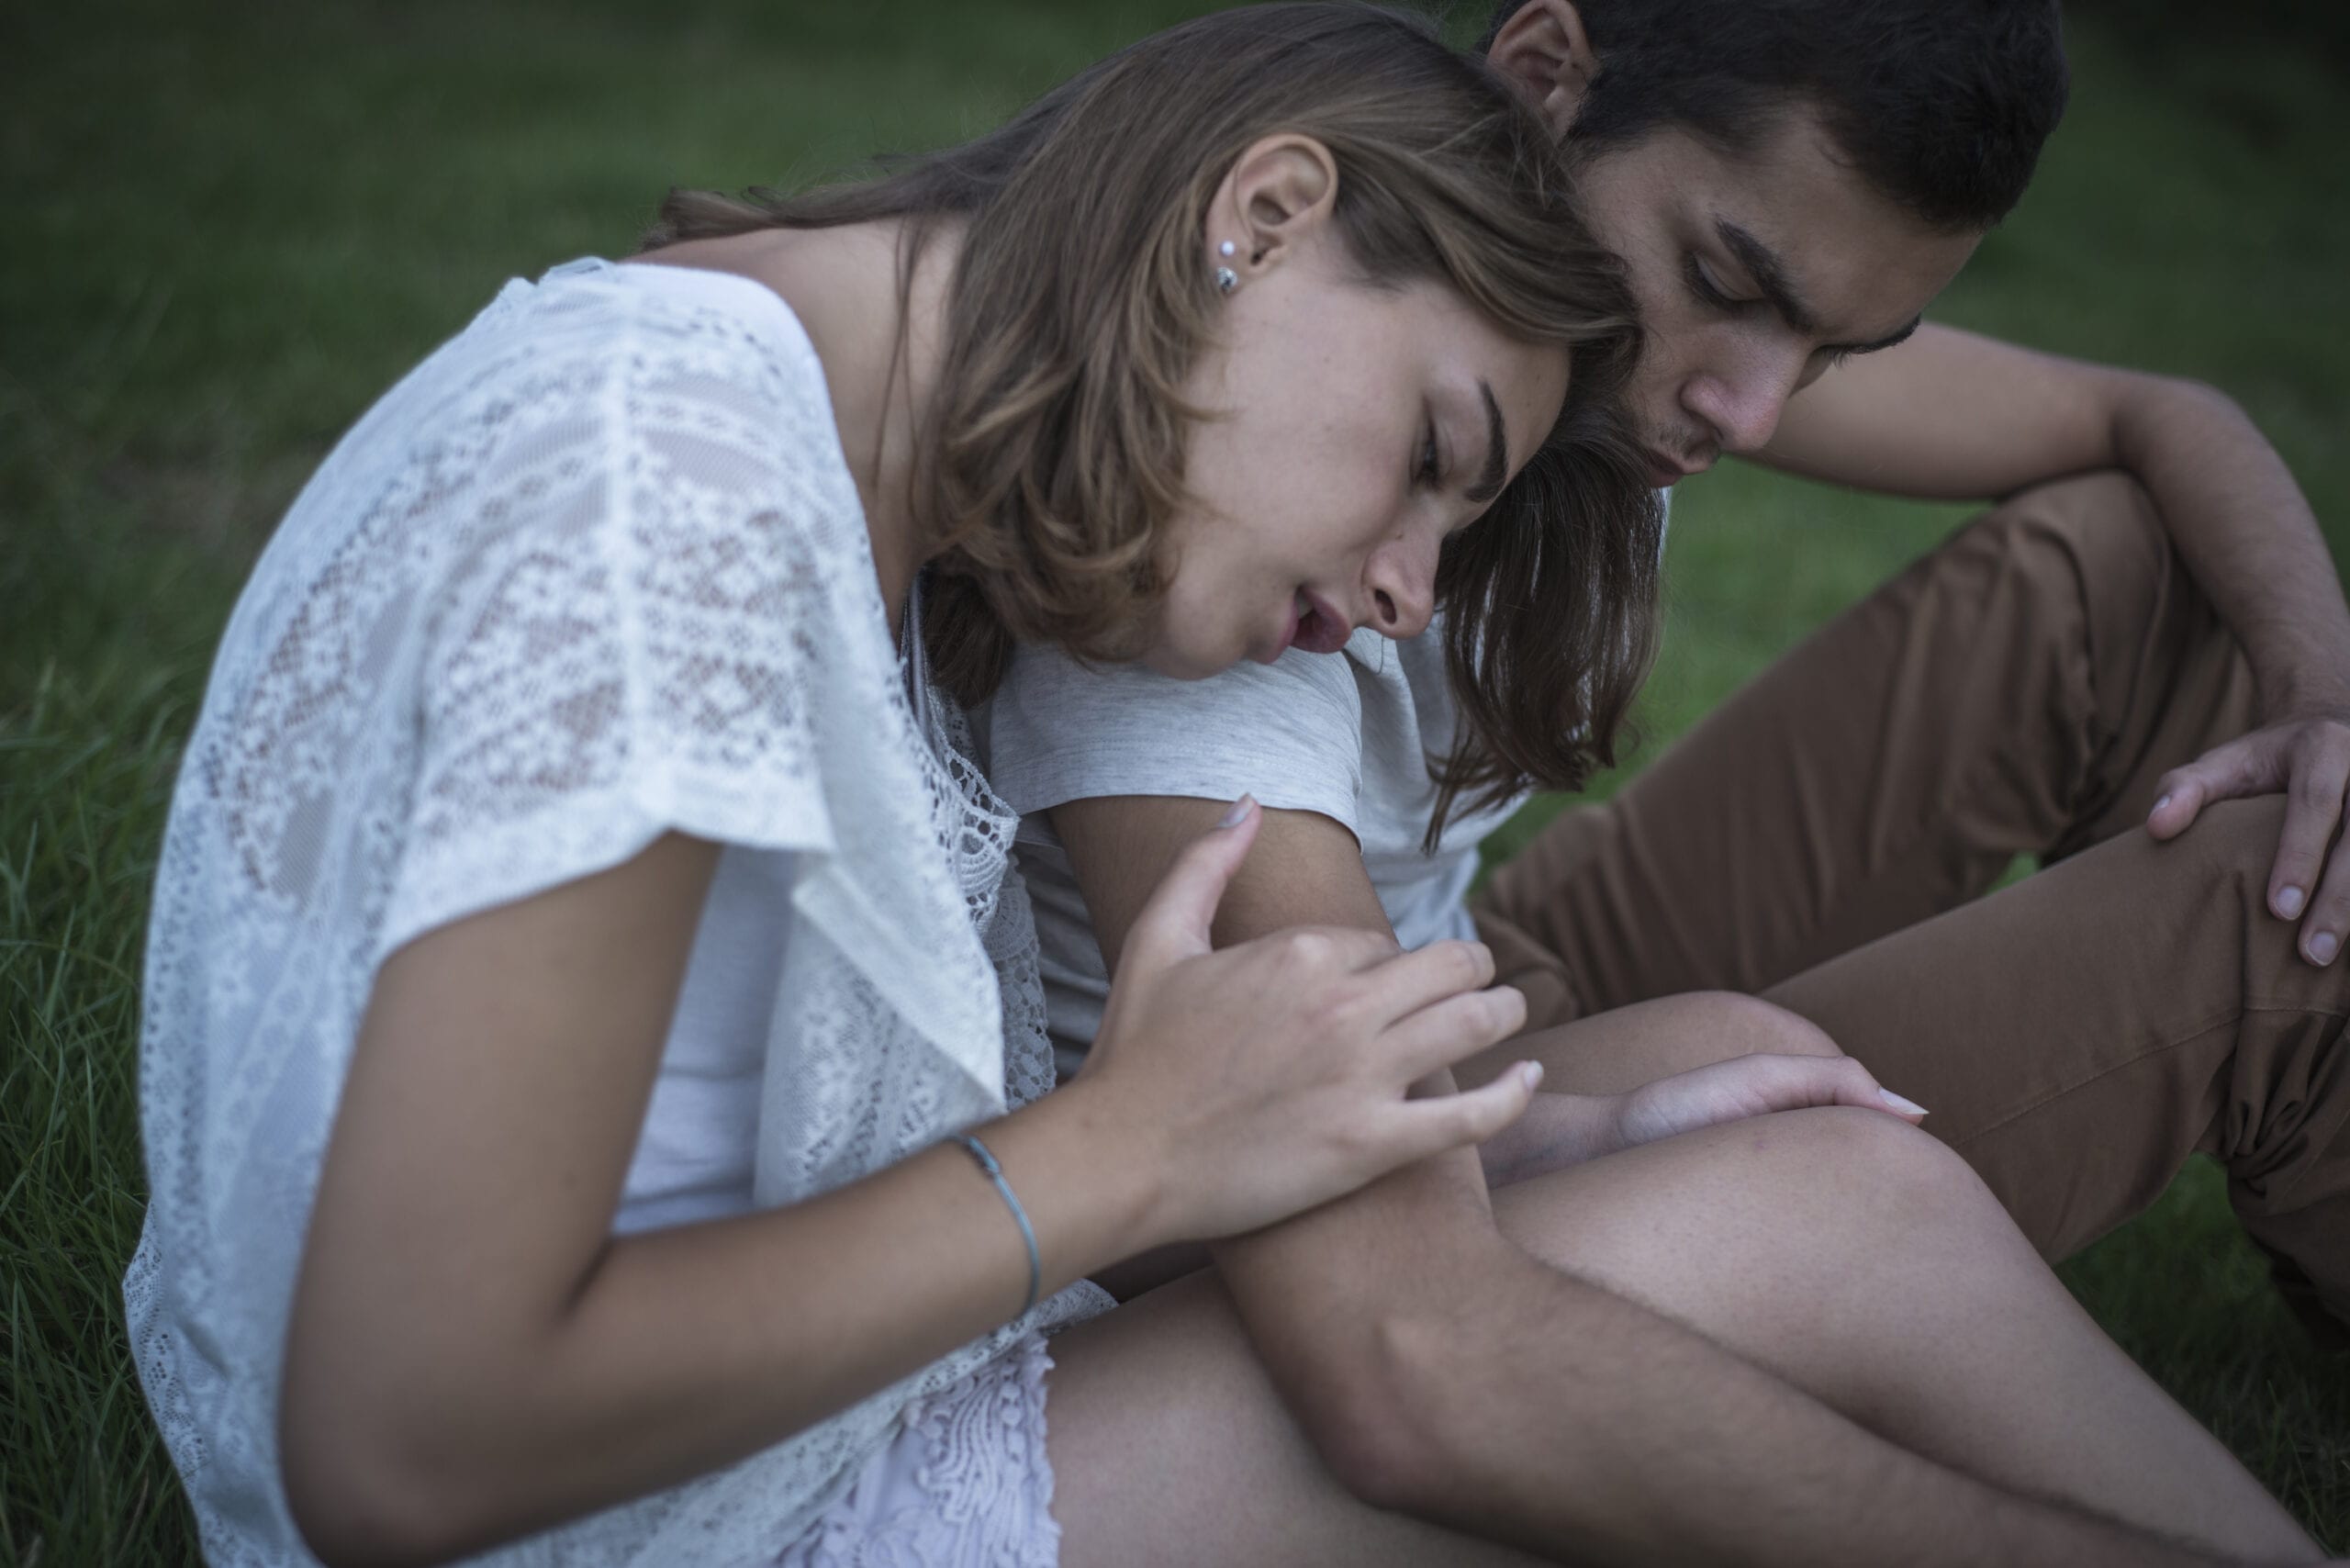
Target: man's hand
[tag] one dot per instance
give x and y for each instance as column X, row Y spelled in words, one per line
column 1949, row 414
column 2305, row 757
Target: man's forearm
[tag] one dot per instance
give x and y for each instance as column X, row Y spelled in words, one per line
column 1467, row 1382
column 2246, row 533
column 1951, row 414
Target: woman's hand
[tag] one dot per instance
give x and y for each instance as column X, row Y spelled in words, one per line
column 1749, row 1086
column 1276, row 1075
column 1562, row 1130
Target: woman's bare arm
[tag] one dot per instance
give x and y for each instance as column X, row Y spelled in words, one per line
column 472, row 1355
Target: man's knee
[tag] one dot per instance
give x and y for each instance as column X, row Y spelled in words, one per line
column 2095, row 538
column 2095, row 512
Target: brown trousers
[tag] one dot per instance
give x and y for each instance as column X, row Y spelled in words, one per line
column 1826, row 837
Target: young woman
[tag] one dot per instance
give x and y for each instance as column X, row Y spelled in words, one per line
column 582, row 947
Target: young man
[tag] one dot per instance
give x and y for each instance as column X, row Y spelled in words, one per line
column 2147, row 631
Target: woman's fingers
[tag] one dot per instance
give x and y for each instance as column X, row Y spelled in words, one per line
column 1448, row 1032
column 1407, row 983
column 1800, row 1082
column 1841, row 1080
column 1427, row 1127
column 1752, row 1086
column 1174, row 924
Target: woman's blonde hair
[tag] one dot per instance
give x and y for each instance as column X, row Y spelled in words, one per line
column 1082, row 296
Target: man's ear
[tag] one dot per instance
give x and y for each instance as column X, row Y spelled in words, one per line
column 1542, row 52
column 1277, row 193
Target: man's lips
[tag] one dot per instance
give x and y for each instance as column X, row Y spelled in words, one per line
column 1665, row 472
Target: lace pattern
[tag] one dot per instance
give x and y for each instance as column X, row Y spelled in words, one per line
column 594, row 572
column 966, row 1483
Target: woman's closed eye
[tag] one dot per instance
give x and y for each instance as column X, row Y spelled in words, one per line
column 1430, row 471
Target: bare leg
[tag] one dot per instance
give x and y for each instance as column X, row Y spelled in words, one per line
column 1867, row 1264
column 1170, row 1447
column 1854, row 1259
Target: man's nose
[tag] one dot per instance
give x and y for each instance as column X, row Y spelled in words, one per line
column 1743, row 406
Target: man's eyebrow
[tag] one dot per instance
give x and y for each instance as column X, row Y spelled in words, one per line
column 1761, row 264
column 1884, row 342
column 1496, row 468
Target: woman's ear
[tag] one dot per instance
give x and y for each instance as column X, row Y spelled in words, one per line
column 1279, row 192
column 1542, row 52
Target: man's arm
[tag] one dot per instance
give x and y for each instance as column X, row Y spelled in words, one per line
column 1612, row 1414
column 1949, row 414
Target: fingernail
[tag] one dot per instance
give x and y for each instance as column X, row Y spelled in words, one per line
column 1907, row 1107
column 2159, row 804
column 2321, row 948
column 1532, row 1072
column 1239, row 812
column 2288, row 901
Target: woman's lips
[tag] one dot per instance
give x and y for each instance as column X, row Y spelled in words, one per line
column 1312, row 625
column 1282, row 643
column 1316, row 627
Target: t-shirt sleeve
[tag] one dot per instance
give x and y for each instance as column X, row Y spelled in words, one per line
column 1289, row 732
column 627, row 640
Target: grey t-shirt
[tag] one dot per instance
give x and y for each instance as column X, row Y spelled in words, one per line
column 1347, row 735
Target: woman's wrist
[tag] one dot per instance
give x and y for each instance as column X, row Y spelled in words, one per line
column 1096, row 1190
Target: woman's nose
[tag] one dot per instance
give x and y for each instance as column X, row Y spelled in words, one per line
column 1401, row 580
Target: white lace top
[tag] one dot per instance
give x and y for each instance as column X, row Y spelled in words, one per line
column 595, row 571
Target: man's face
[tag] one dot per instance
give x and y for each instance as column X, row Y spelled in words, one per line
column 1755, row 272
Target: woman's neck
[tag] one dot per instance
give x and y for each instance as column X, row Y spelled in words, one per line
column 842, row 285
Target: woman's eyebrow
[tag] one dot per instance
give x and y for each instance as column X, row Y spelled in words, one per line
column 1496, row 468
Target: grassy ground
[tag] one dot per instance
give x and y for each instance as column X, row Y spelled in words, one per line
column 234, row 224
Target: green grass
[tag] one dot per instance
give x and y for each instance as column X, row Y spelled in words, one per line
column 233, row 225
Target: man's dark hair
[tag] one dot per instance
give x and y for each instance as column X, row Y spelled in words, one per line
column 1941, row 104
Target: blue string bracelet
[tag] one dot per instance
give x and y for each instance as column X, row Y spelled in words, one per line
column 994, row 1172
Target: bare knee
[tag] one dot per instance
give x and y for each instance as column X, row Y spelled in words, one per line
column 1878, row 1166
column 1614, row 1052
column 1798, row 1197
column 1748, row 1026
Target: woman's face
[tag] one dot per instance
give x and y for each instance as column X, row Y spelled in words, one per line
column 1352, row 430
